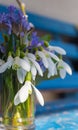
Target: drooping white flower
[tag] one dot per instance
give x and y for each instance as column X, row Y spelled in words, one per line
column 22, row 67
column 57, row 49
column 32, row 59
column 18, row 62
column 7, row 64
column 32, row 66
column 63, row 68
column 49, row 56
column 25, row 91
column 53, row 56
column 37, row 66
column 43, row 57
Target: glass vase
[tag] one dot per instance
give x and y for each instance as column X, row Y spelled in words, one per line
column 20, row 117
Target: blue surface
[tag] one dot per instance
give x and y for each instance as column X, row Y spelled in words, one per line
column 57, row 105
column 66, row 120
column 52, row 25
column 69, row 83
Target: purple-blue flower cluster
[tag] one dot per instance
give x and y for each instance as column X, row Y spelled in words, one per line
column 19, row 34
column 14, row 17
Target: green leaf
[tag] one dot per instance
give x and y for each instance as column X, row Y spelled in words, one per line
column 47, row 37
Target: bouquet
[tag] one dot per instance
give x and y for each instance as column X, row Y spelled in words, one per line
column 25, row 58
column 24, row 52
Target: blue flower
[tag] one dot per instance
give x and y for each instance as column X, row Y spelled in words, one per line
column 35, row 40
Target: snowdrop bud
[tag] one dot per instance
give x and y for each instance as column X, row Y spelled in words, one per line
column 37, row 57
column 40, row 48
column 9, row 54
column 18, row 52
column 22, row 54
column 46, row 44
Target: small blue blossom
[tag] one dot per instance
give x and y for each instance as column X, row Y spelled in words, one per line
column 35, row 40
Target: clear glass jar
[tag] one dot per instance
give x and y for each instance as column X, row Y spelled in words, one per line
column 20, row 117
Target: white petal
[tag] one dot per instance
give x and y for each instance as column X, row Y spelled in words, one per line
column 21, row 73
column 16, row 99
column 10, row 61
column 38, row 95
column 37, row 66
column 53, row 56
column 16, row 60
column 26, row 59
column 25, row 65
column 3, row 67
column 51, row 67
column 6, row 65
column 32, row 56
column 66, row 67
column 44, row 59
column 62, row 73
column 21, row 95
column 33, row 71
column 57, row 49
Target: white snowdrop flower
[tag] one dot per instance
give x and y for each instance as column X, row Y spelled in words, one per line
column 33, row 71
column 63, row 68
column 51, row 68
column 43, row 57
column 53, row 56
column 18, row 62
column 26, row 90
column 21, row 73
column 32, row 67
column 37, row 66
column 57, row 49
column 7, row 64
